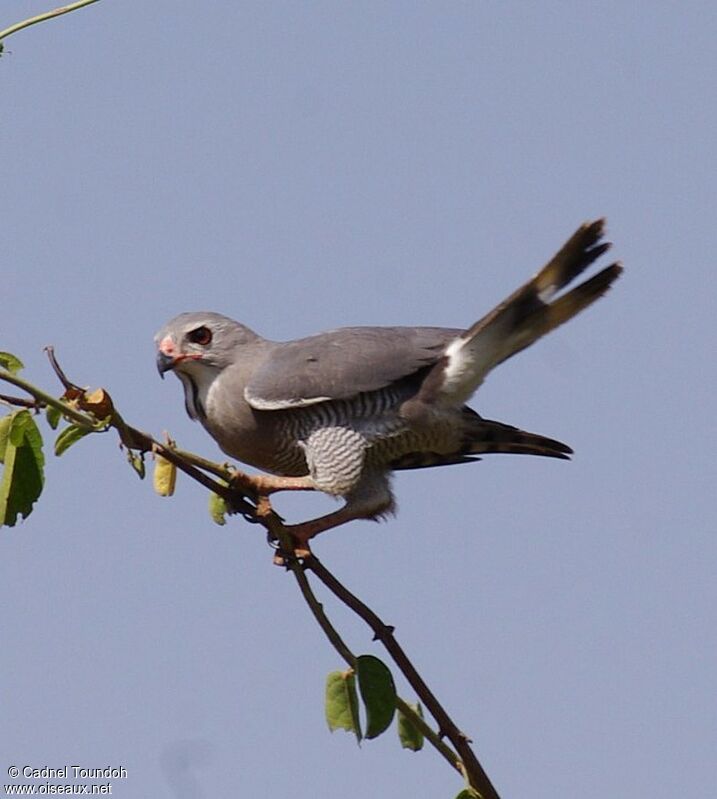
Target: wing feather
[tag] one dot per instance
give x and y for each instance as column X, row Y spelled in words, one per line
column 343, row 363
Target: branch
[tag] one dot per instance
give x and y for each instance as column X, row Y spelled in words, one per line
column 477, row 777
column 20, row 402
column 332, row 634
column 26, row 23
column 44, row 399
column 136, row 439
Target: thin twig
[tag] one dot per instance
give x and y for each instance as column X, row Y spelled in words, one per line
column 136, row 439
column 79, row 418
column 318, row 610
column 18, row 26
column 67, row 384
column 20, row 402
column 225, row 472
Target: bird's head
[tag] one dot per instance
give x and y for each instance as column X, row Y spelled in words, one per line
column 197, row 347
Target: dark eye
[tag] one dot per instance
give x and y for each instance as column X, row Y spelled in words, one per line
column 202, row 335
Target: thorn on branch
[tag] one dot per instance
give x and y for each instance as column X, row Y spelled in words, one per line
column 385, row 631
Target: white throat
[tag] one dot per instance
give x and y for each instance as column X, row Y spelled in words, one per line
column 197, row 380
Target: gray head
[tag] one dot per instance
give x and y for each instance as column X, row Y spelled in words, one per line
column 197, row 346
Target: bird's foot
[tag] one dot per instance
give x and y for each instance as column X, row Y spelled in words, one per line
column 300, row 551
column 302, row 533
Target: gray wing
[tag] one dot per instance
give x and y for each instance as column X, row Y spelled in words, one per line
column 340, row 364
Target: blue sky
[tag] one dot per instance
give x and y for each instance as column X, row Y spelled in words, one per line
column 305, row 166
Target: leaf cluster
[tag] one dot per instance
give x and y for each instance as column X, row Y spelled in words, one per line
column 21, row 442
column 378, row 693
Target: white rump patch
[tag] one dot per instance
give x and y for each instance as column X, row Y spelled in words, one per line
column 468, row 363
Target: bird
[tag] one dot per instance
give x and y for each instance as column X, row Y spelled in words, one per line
column 340, row 411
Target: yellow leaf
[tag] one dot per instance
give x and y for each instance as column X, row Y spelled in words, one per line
column 165, row 476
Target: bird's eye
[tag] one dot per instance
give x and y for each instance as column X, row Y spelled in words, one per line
column 202, row 335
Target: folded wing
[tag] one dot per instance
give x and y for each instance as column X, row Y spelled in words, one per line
column 340, row 364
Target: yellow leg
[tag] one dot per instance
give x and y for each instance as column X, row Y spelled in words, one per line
column 264, row 484
column 304, row 532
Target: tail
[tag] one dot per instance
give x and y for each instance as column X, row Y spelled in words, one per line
column 488, row 436
column 529, row 313
column 484, row 436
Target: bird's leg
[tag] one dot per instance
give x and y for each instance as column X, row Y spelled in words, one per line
column 264, row 484
column 372, row 499
column 302, row 533
column 305, row 531
column 260, row 486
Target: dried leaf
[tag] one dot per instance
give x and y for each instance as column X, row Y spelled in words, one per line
column 72, row 395
column 98, row 403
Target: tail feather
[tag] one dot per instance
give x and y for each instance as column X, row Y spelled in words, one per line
column 524, row 317
column 488, row 436
column 485, row 436
column 581, row 250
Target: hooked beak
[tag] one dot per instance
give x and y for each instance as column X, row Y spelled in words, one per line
column 167, row 355
column 165, row 362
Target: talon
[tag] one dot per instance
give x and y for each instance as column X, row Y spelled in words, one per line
column 302, row 549
column 263, row 506
column 282, row 558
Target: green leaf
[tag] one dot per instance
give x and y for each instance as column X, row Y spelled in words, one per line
column 165, row 476
column 342, row 703
column 53, row 416
column 468, row 793
column 69, row 436
column 10, row 362
column 5, row 425
column 218, row 508
column 411, row 737
column 22, row 477
column 136, row 461
column 378, row 693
